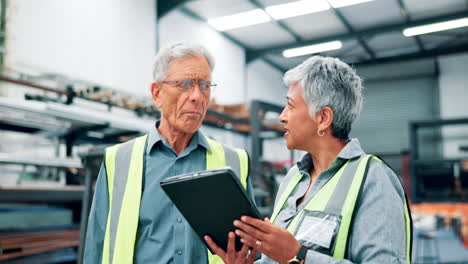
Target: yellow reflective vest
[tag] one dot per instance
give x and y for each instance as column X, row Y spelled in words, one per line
column 124, row 166
column 331, row 209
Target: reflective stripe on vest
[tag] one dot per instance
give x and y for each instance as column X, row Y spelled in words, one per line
column 338, row 196
column 126, row 161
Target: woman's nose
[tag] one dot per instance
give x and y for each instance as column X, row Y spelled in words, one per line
column 282, row 117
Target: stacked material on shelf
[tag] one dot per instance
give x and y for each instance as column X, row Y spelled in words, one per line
column 23, row 244
column 232, row 116
column 240, row 112
column 76, row 114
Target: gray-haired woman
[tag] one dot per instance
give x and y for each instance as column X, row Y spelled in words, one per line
column 337, row 204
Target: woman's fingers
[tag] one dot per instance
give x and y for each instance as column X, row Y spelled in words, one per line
column 247, row 239
column 217, row 250
column 231, row 243
column 258, row 224
column 252, row 255
column 232, row 256
column 252, row 231
column 243, row 252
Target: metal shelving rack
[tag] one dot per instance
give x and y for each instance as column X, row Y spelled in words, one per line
column 416, row 161
column 41, row 194
column 77, row 133
column 50, row 195
column 258, row 110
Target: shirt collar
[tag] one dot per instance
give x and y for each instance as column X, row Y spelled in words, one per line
column 154, row 137
column 351, row 150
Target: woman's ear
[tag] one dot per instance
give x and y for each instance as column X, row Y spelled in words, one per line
column 325, row 118
column 156, row 94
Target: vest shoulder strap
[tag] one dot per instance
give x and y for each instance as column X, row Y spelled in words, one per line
column 346, row 193
column 286, row 187
column 123, row 161
column 222, row 156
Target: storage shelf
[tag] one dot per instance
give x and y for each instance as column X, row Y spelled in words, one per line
column 65, row 194
column 57, row 163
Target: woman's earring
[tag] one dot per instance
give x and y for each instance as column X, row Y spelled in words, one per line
column 322, row 134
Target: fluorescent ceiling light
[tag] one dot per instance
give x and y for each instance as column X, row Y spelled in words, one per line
column 457, row 23
column 297, row 8
column 243, row 19
column 333, row 45
column 342, row 3
column 281, row 11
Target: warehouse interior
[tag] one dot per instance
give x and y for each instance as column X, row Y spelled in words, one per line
column 75, row 78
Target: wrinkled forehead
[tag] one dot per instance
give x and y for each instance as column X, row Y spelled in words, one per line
column 194, row 67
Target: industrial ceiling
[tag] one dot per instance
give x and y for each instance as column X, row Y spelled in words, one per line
column 369, row 32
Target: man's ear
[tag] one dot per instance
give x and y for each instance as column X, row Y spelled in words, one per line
column 156, row 94
column 325, row 118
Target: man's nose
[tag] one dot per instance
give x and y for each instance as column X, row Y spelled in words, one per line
column 196, row 93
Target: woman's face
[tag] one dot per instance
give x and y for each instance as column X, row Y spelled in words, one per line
column 299, row 126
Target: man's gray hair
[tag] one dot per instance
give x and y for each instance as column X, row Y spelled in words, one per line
column 176, row 51
column 330, row 82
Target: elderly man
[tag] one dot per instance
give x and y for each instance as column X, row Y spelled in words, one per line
column 131, row 219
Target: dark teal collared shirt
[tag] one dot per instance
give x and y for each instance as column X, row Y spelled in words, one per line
column 163, row 235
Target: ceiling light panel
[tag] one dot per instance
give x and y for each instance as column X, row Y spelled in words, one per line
column 457, row 23
column 206, row 9
column 248, row 18
column 342, row 3
column 262, row 36
column 329, row 25
column 297, row 8
column 311, row 49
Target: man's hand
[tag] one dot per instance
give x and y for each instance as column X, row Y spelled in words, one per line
column 275, row 242
column 232, row 256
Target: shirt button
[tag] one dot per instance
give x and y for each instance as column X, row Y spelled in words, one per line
column 179, row 219
column 179, row 252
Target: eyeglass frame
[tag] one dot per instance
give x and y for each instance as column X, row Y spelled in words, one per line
column 204, row 89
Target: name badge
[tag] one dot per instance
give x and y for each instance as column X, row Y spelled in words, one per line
column 318, row 230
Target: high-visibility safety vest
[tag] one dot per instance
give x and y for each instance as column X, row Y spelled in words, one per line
column 332, row 208
column 125, row 168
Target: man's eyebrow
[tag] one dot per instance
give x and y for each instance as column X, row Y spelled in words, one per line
column 289, row 98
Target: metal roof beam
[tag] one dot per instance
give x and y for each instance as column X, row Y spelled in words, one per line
column 348, row 26
column 195, row 16
column 363, row 33
column 417, row 55
column 405, row 13
column 274, row 65
column 164, row 7
column 277, row 22
column 191, row 14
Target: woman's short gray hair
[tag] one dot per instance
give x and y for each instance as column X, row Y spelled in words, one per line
column 329, row 82
column 176, row 51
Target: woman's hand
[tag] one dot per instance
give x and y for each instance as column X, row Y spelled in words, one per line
column 275, row 242
column 232, row 256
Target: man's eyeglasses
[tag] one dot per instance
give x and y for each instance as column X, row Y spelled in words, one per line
column 189, row 84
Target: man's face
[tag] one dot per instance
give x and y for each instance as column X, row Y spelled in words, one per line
column 183, row 110
column 299, row 125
